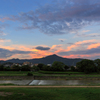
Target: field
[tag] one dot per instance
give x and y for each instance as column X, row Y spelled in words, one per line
column 49, row 93
column 48, row 73
column 45, row 73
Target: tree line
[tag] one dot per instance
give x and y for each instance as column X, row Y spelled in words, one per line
column 86, row 66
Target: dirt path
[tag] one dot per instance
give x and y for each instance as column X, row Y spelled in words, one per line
column 49, row 86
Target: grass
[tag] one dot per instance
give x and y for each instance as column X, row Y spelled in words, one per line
column 49, row 93
column 48, row 73
column 55, row 72
column 13, row 73
column 7, row 84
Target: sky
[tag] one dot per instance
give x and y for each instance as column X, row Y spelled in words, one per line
column 37, row 28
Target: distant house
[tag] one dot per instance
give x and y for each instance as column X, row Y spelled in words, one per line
column 35, row 64
column 26, row 63
column 49, row 65
column 16, row 64
column 7, row 65
column 31, row 65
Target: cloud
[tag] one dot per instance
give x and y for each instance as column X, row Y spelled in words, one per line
column 42, row 48
column 80, row 44
column 82, row 52
column 62, row 40
column 84, row 31
column 2, row 33
column 2, row 27
column 88, row 35
column 60, row 16
column 84, row 49
column 95, row 45
column 4, row 19
column 4, row 40
column 4, row 53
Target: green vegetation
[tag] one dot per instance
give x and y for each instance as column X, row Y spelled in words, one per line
column 86, row 66
column 48, row 73
column 50, row 93
column 6, row 84
column 59, row 72
column 29, row 74
column 13, row 73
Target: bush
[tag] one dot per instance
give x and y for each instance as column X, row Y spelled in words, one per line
column 25, row 68
column 57, row 66
column 86, row 66
column 29, row 74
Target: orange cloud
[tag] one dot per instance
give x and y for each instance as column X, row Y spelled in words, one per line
column 84, row 31
column 55, row 49
column 93, row 45
column 78, row 44
column 2, row 40
column 77, row 56
column 5, row 18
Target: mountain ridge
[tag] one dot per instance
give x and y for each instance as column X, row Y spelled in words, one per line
column 47, row 60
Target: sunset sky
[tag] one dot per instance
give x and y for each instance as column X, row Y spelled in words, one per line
column 38, row 28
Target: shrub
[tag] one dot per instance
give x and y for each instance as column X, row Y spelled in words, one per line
column 29, row 74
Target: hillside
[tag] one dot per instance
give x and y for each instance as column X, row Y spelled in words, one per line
column 47, row 60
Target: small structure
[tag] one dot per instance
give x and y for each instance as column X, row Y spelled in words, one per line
column 26, row 63
column 49, row 65
column 35, row 64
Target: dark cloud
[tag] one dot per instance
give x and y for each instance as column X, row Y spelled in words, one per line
column 42, row 48
column 81, row 52
column 2, row 27
column 62, row 40
column 2, row 33
column 2, row 39
column 4, row 53
column 89, row 35
column 70, row 43
column 61, row 16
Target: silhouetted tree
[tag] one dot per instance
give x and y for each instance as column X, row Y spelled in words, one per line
column 86, row 66
column 25, row 68
column 58, row 66
column 97, row 64
column 40, row 66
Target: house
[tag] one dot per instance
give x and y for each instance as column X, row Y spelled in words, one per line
column 49, row 65
column 26, row 63
column 35, row 64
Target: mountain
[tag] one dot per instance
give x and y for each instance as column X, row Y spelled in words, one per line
column 48, row 60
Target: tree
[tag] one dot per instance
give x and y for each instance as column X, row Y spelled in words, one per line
column 73, row 68
column 40, row 66
column 1, row 67
column 58, row 66
column 15, row 68
column 46, row 68
column 97, row 64
column 86, row 66
column 7, row 68
column 66, row 67
column 35, row 68
column 25, row 68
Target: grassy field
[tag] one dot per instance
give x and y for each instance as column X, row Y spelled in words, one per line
column 55, row 72
column 49, row 93
column 13, row 73
column 48, row 73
